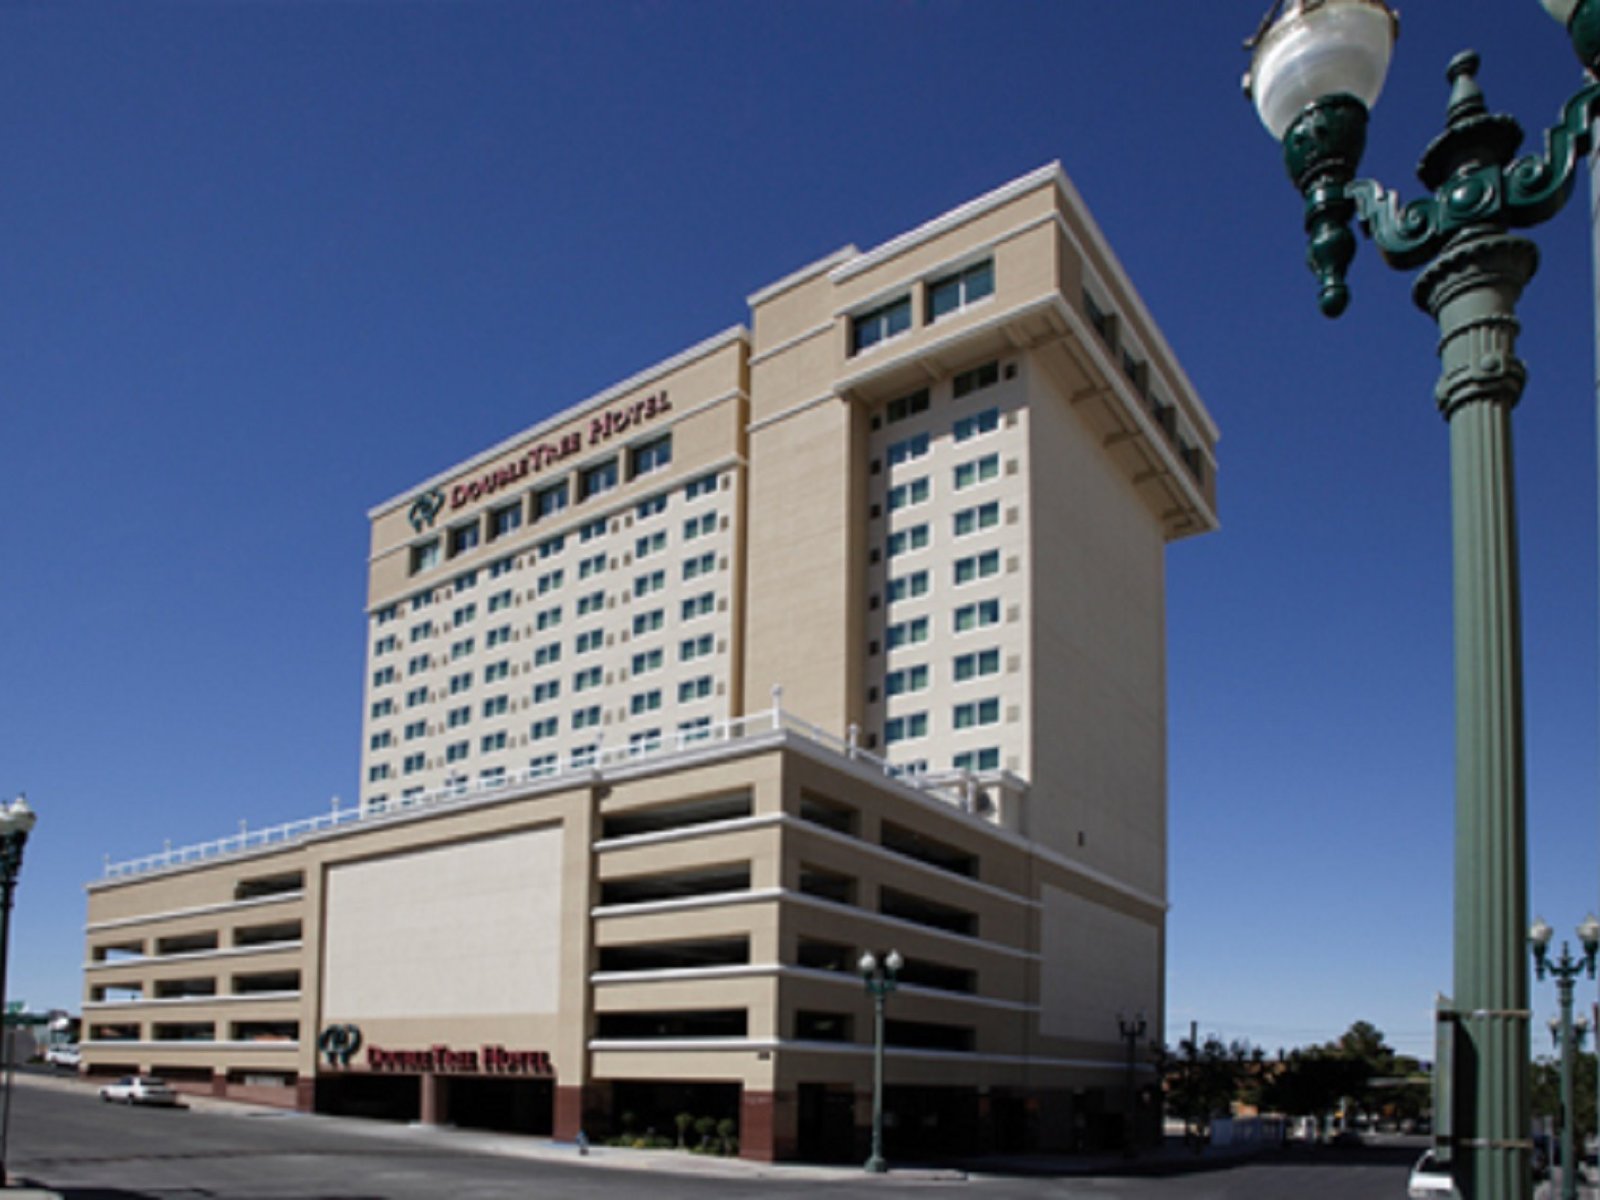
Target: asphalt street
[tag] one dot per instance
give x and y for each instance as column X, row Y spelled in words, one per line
column 63, row 1137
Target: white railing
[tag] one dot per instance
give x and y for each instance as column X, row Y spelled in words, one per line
column 954, row 787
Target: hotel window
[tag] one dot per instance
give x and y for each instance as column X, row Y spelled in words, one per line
column 544, row 692
column 421, row 600
column 385, row 644
column 699, row 606
column 552, row 546
column 550, row 580
column 414, row 763
column 880, row 324
column 693, row 568
column 547, row 502
column 589, row 639
column 458, row 717
column 382, row 676
column 695, row 647
column 643, row 585
column 505, row 519
column 978, row 663
column 954, row 292
column 493, row 741
column 416, row 729
column 648, row 622
column 650, row 543
column 977, row 425
column 421, row 630
column 981, row 516
column 647, row 660
column 598, row 479
column 585, row 718
column 906, row 406
column 382, row 708
column 463, row 614
column 645, row 741
column 694, row 689
column 652, row 506
column 977, row 470
column 907, row 633
column 704, row 524
column 381, row 740
column 907, row 587
column 500, row 600
column 498, row 637
column 903, row 540
column 495, row 706
column 548, row 619
column 590, row 530
column 914, row 491
column 455, row 752
column 425, row 556
column 593, row 602
column 1099, row 318
column 378, row 773
column 585, row 679
column 695, row 730
column 584, row 756
column 909, row 679
column 977, row 566
column 976, row 712
column 386, row 614
column 650, row 456
column 592, row 565
column 417, row 665
column 545, row 655
column 706, row 485
column 544, row 764
column 987, row 759
column 460, row 683
column 975, row 380
column 461, row 648
column 416, row 696
column 643, row 702
column 463, row 538
column 977, row 616
column 497, row 671
column 546, row 728
column 501, row 566
column 907, row 449
column 899, row 729
column 465, row 580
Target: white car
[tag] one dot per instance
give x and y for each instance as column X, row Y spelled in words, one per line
column 1429, row 1178
column 139, row 1089
column 63, row 1056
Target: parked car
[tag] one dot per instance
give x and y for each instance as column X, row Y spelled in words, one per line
column 1429, row 1178
column 63, row 1056
column 139, row 1089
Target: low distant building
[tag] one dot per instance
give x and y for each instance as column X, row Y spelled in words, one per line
column 839, row 634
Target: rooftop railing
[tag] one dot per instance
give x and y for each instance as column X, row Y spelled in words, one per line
column 972, row 793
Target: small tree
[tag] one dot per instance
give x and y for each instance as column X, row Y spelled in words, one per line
column 683, row 1120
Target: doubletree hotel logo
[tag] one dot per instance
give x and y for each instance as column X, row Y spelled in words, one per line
column 425, row 508
column 339, row 1044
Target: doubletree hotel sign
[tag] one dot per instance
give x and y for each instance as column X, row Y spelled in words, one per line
column 340, row 1044
column 602, row 428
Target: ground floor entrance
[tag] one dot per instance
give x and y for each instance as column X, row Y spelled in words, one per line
column 466, row 1101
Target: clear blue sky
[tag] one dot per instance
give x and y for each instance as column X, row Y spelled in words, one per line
column 263, row 265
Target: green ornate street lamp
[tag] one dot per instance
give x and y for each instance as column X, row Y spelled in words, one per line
column 881, row 979
column 1317, row 69
column 16, row 822
column 1131, row 1033
column 1566, row 970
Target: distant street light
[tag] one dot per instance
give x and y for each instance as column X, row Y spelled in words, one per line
column 1317, row 68
column 16, row 822
column 1566, row 970
column 1131, row 1031
column 881, row 979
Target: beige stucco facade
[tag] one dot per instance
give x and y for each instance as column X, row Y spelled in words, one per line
column 838, row 634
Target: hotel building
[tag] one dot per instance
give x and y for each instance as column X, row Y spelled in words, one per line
column 842, row 632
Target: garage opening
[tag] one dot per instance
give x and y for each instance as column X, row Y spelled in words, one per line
column 503, row 1105
column 382, row 1097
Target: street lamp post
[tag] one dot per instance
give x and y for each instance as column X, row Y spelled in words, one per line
column 1131, row 1032
column 1566, row 970
column 1318, row 66
column 881, row 979
column 16, row 822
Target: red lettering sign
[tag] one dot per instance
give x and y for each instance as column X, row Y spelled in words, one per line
column 446, row 1060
